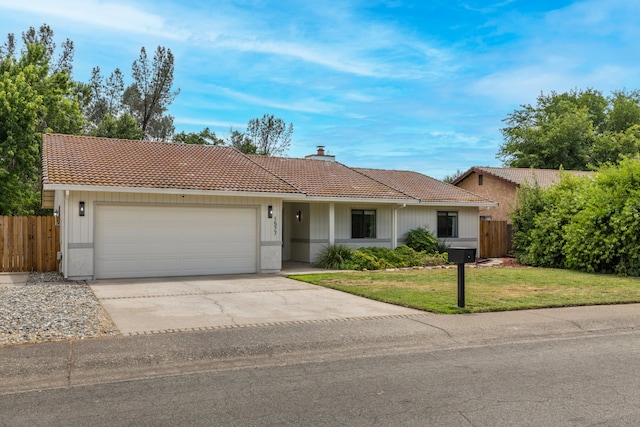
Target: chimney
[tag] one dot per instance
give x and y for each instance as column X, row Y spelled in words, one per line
column 320, row 155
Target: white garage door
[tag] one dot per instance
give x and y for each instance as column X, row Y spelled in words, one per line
column 153, row 241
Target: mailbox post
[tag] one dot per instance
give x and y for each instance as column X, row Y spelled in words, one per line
column 461, row 256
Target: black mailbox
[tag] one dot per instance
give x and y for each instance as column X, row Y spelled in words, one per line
column 462, row 255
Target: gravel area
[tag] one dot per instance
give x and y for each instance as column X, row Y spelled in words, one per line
column 48, row 308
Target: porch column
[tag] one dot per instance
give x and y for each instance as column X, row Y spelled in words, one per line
column 332, row 223
column 394, row 227
column 394, row 224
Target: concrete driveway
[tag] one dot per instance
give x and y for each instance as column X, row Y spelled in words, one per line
column 175, row 304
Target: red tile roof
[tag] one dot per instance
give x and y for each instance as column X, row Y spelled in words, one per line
column 321, row 178
column 105, row 162
column 422, row 187
column 519, row 176
column 83, row 160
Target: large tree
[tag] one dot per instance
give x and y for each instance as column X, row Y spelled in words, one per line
column 150, row 95
column 104, row 108
column 37, row 95
column 578, row 130
column 270, row 135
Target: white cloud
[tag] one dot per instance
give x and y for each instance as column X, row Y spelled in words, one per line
column 306, row 105
column 208, row 123
column 111, row 15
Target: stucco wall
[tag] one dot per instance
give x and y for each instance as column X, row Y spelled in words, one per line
column 493, row 189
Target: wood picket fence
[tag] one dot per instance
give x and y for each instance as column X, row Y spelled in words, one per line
column 29, row 243
column 495, row 239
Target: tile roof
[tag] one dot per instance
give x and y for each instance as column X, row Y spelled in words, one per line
column 106, row 162
column 422, row 187
column 320, row 178
column 519, row 176
column 83, row 160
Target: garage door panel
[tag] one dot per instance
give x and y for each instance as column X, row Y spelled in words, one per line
column 174, row 241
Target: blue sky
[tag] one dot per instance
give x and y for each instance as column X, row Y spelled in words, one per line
column 412, row 85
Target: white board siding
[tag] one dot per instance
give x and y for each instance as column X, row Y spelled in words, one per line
column 153, row 241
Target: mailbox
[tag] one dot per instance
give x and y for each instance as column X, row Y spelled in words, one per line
column 462, row 255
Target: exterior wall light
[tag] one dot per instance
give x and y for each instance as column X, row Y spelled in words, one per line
column 299, row 216
column 270, row 212
column 81, row 212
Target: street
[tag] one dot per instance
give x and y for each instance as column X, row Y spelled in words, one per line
column 573, row 380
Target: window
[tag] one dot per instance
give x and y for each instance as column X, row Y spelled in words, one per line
column 479, row 179
column 447, row 224
column 363, row 224
column 485, row 218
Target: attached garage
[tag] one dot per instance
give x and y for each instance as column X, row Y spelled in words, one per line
column 153, row 241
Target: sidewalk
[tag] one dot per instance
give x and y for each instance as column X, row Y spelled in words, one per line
column 72, row 363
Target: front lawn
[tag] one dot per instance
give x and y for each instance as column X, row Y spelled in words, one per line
column 487, row 288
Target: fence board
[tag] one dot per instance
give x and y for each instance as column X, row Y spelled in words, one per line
column 494, row 239
column 29, row 243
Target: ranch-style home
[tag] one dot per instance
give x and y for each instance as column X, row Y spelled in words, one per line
column 142, row 209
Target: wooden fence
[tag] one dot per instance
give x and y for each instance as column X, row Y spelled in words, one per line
column 29, row 243
column 495, row 239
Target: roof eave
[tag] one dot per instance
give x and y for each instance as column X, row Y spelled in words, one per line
column 460, row 204
column 408, row 201
column 152, row 190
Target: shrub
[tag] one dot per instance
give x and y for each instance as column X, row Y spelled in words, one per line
column 340, row 257
column 386, row 258
column 365, row 260
column 582, row 224
column 422, row 240
column 334, row 257
column 605, row 235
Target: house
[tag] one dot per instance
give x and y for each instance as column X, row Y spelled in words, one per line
column 501, row 184
column 141, row 209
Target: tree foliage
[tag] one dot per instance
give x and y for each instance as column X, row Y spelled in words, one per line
column 204, row 137
column 241, row 142
column 270, row 135
column 585, row 224
column 149, row 96
column 577, row 130
column 37, row 95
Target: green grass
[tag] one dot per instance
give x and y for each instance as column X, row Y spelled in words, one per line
column 487, row 288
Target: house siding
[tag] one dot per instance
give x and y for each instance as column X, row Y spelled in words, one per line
column 305, row 240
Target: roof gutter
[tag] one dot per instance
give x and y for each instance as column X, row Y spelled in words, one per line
column 179, row 191
column 461, row 204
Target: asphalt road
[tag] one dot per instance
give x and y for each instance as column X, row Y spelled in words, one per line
column 575, row 379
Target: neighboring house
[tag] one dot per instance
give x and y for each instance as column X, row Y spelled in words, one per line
column 501, row 184
column 140, row 208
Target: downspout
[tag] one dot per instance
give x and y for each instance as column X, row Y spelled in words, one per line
column 394, row 225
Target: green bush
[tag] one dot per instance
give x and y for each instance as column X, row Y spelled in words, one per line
column 334, row 257
column 365, row 260
column 422, row 240
column 584, row 224
column 605, row 235
column 386, row 258
column 340, row 257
